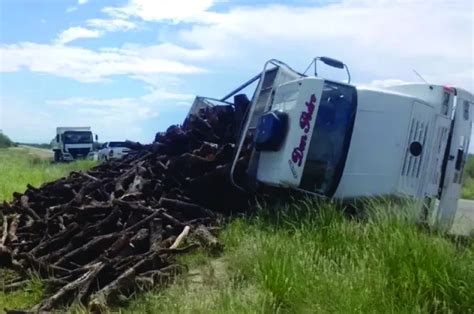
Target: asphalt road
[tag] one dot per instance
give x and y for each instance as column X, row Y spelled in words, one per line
column 464, row 220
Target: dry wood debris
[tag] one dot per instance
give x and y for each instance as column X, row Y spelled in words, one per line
column 99, row 236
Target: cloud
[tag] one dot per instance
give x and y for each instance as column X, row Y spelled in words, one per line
column 172, row 51
column 110, row 123
column 77, row 32
column 120, row 118
column 111, row 25
column 81, row 101
column 32, row 124
column 157, row 95
column 162, row 10
column 154, row 97
column 95, row 28
column 386, row 83
column 74, row 8
column 86, row 65
column 377, row 39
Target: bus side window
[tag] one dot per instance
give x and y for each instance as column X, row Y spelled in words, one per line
column 459, row 158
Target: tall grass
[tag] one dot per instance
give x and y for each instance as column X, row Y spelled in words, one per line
column 308, row 258
column 18, row 168
column 468, row 184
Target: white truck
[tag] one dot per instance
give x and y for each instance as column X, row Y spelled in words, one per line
column 72, row 143
column 343, row 141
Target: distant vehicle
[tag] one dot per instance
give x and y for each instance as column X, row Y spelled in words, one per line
column 113, row 150
column 72, row 143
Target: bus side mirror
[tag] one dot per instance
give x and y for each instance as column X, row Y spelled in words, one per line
column 96, row 137
column 332, row 62
column 57, row 138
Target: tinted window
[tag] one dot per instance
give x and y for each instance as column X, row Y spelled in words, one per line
column 117, row 144
column 330, row 140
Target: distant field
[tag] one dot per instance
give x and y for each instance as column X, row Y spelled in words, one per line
column 20, row 166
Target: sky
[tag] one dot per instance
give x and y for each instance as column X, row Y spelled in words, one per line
column 130, row 68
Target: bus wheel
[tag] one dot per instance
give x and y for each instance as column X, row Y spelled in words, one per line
column 57, row 156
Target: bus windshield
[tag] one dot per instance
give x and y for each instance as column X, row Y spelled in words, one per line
column 77, row 137
column 330, row 140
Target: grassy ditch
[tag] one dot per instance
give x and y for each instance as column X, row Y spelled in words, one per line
column 308, row 258
column 19, row 167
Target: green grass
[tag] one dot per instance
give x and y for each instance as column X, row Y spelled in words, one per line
column 304, row 260
column 468, row 184
column 18, row 168
column 22, row 299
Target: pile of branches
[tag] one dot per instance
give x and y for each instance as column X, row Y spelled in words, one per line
column 98, row 237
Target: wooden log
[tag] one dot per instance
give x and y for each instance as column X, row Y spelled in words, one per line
column 189, row 209
column 88, row 252
column 123, row 181
column 45, row 270
column 6, row 258
column 15, row 286
column 172, row 220
column 85, row 175
column 140, row 241
column 27, row 209
column 78, row 284
column 181, row 237
column 207, row 239
column 104, row 226
column 144, row 221
column 4, row 237
column 57, row 241
column 111, row 292
column 52, row 285
column 12, row 237
column 156, row 233
column 118, row 245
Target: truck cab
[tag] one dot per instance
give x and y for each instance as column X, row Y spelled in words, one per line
column 72, row 143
